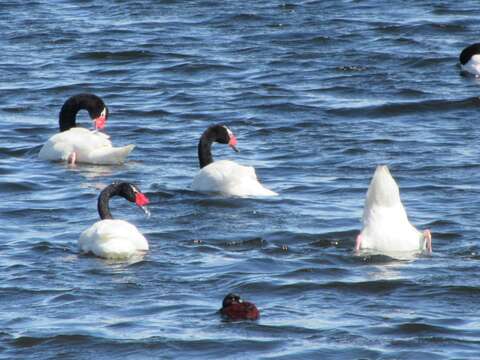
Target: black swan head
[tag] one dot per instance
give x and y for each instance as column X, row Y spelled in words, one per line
column 126, row 190
column 468, row 52
column 95, row 106
column 215, row 133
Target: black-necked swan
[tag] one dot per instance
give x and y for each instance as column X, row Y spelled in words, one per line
column 386, row 228
column 470, row 59
column 110, row 238
column 225, row 176
column 74, row 144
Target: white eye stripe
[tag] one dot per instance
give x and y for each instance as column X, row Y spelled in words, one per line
column 134, row 189
column 228, row 131
column 104, row 112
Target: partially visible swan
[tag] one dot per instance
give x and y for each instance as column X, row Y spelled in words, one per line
column 225, row 176
column 470, row 59
column 74, row 144
column 115, row 239
column 386, row 228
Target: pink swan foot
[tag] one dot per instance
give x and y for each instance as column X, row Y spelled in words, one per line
column 72, row 158
column 358, row 243
column 427, row 235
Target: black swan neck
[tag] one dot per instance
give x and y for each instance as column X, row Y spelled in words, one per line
column 205, row 149
column 68, row 113
column 104, row 199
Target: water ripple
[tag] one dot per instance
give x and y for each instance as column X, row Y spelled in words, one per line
column 318, row 93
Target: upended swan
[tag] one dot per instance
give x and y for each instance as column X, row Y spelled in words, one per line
column 225, row 176
column 470, row 59
column 74, row 144
column 386, row 228
column 115, row 239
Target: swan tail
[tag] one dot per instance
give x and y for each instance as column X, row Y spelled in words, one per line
column 250, row 188
column 383, row 189
column 109, row 156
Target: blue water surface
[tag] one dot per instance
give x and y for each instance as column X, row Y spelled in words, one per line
column 318, row 93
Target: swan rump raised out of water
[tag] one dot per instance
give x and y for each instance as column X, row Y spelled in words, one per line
column 225, row 176
column 386, row 228
column 74, row 144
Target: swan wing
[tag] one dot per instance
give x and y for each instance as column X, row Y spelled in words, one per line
column 90, row 147
column 109, row 155
column 112, row 239
column 229, row 178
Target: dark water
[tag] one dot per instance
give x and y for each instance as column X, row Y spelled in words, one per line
column 318, row 93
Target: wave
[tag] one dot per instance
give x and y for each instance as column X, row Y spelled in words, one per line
column 407, row 108
column 113, row 55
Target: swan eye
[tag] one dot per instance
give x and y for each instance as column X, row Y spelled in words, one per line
column 104, row 112
column 134, row 189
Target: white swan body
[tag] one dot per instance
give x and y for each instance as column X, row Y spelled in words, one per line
column 386, row 228
column 225, row 176
column 231, row 179
column 91, row 147
column 76, row 144
column 115, row 239
column 112, row 239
